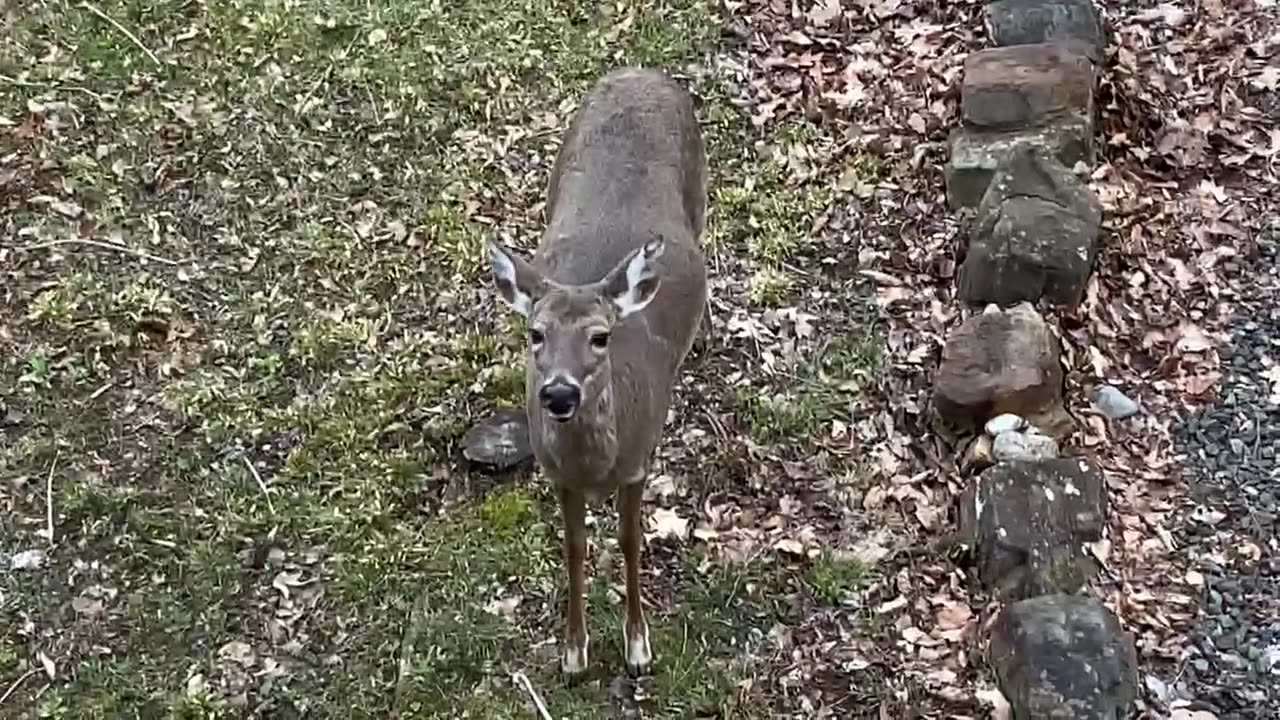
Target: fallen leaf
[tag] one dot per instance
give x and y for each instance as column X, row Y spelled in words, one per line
column 665, row 522
column 824, row 11
column 49, row 668
column 954, row 616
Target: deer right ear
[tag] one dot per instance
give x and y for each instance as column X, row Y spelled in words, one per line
column 517, row 281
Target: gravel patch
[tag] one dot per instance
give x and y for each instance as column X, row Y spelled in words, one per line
column 1232, row 451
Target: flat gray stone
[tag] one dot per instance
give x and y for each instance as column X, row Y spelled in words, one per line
column 1007, row 88
column 500, row 441
column 1064, row 657
column 1029, row 522
column 1036, row 235
column 976, row 155
column 1074, row 23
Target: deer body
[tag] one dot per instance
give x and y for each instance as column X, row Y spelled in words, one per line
column 614, row 296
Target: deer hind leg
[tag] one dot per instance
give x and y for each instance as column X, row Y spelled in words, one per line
column 573, row 508
column 636, row 630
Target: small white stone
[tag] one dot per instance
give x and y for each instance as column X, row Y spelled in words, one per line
column 1015, row 446
column 1114, row 404
column 1007, row 422
column 27, row 559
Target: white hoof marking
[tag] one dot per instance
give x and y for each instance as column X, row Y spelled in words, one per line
column 574, row 661
column 639, row 655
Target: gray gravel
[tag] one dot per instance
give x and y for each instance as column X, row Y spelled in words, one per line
column 1233, row 455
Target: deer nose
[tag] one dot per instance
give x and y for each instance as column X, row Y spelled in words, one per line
column 560, row 399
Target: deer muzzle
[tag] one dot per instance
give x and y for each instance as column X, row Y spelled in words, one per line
column 560, row 398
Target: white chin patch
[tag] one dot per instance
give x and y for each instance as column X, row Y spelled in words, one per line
column 638, row 653
column 574, row 661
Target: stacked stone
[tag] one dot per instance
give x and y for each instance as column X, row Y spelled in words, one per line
column 1031, row 515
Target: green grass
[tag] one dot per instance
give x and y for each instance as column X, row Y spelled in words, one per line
column 815, row 393
column 250, row 416
column 832, row 578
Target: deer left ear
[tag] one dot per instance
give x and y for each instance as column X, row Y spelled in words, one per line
column 519, row 284
column 632, row 284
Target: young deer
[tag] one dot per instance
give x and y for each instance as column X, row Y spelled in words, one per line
column 614, row 296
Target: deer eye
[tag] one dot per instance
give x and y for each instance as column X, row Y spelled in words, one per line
column 535, row 336
column 600, row 340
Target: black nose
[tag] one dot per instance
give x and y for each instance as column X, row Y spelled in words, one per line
column 560, row 399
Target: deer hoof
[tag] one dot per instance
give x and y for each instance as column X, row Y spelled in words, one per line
column 639, row 655
column 574, row 662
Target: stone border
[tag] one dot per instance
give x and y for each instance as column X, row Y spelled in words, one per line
column 1029, row 514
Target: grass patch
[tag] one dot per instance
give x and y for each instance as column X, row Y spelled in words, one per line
column 763, row 215
column 832, row 578
column 822, row 389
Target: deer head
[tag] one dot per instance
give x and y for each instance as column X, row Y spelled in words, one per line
column 570, row 325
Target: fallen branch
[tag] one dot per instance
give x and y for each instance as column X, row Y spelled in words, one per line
column 523, row 680
column 123, row 30
column 261, row 485
column 106, row 246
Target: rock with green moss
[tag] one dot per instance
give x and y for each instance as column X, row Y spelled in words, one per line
column 1036, row 235
column 1029, row 523
column 1073, row 23
column 976, row 155
column 1064, row 657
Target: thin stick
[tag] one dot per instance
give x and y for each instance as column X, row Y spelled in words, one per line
column 522, row 679
column 261, row 485
column 123, row 30
column 47, row 86
column 15, row 685
column 48, row 496
column 104, row 246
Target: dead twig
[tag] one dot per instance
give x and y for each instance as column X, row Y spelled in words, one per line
column 523, row 680
column 123, row 31
column 48, row 496
column 261, row 485
column 15, row 685
column 49, row 86
column 105, row 246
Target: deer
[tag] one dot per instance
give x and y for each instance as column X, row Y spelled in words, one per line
column 612, row 299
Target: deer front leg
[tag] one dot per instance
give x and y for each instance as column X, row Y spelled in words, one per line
column 573, row 508
column 636, row 630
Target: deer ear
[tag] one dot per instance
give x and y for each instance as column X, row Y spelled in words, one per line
column 633, row 283
column 519, row 284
